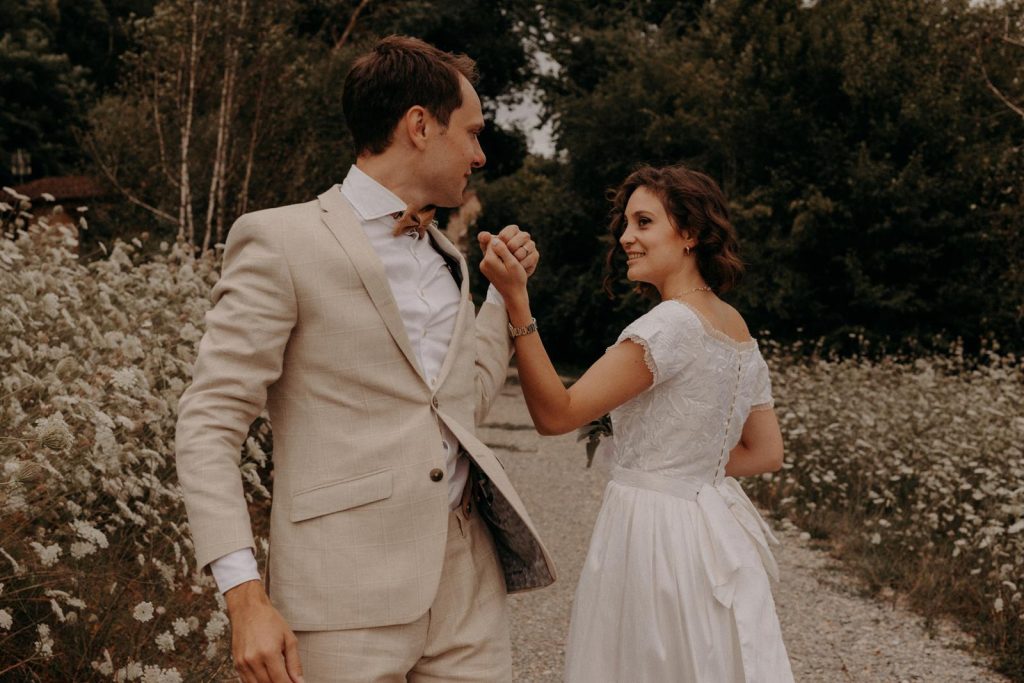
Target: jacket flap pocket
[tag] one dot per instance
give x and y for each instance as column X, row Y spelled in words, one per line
column 336, row 496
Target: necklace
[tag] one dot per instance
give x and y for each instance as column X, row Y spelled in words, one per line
column 705, row 288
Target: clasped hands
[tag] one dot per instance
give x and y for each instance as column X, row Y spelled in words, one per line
column 508, row 260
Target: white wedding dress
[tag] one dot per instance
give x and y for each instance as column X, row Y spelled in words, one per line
column 675, row 585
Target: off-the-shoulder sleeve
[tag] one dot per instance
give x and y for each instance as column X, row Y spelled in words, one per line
column 762, row 388
column 667, row 336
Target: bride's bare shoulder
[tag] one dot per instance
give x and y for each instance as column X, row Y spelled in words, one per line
column 731, row 322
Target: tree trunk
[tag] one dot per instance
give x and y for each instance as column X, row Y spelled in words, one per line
column 223, row 185
column 253, row 138
column 223, row 133
column 185, row 218
column 351, row 25
column 159, row 126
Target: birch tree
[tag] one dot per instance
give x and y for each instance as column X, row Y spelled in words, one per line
column 168, row 140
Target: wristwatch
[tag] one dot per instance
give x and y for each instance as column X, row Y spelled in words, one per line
column 514, row 331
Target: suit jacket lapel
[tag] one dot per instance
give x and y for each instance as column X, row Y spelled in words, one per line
column 465, row 303
column 339, row 218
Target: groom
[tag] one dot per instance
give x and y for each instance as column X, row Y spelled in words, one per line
column 395, row 533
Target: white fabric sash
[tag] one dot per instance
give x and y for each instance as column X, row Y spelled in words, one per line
column 734, row 536
column 734, row 542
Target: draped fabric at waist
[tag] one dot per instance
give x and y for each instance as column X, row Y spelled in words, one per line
column 733, row 540
column 680, row 487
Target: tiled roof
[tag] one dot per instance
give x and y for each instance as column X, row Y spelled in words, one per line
column 64, row 187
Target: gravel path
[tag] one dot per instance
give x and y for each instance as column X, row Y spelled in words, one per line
column 833, row 634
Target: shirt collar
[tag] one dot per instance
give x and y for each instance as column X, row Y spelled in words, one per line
column 370, row 199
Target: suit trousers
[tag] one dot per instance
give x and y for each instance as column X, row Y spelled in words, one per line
column 463, row 637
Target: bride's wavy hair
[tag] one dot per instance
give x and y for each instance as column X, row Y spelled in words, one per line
column 696, row 207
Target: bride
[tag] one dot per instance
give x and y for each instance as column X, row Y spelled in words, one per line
column 675, row 585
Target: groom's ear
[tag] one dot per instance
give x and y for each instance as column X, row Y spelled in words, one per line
column 414, row 125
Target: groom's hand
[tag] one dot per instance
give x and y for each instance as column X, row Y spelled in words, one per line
column 518, row 243
column 263, row 646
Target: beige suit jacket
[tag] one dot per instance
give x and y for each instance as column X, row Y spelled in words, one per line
column 304, row 322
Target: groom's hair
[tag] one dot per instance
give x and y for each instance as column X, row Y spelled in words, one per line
column 399, row 73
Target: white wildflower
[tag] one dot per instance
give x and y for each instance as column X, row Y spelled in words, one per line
column 143, row 611
column 6, row 620
column 106, row 442
column 124, row 379
column 165, row 642
column 90, row 533
column 106, row 667
column 80, row 549
column 181, row 627
column 48, row 554
column 125, row 423
column 44, row 646
column 998, row 605
column 50, row 304
column 132, row 348
column 131, row 672
column 216, row 625
column 190, row 333
column 876, row 538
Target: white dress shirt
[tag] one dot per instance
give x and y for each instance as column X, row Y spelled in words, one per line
column 428, row 301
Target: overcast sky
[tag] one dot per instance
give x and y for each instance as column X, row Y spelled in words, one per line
column 525, row 115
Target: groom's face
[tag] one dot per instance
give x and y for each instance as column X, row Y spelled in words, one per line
column 453, row 151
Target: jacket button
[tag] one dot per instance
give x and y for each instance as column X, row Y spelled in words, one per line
column 433, row 402
column 436, row 474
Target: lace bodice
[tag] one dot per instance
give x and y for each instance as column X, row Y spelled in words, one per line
column 705, row 386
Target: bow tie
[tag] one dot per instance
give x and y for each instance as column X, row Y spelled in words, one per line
column 411, row 222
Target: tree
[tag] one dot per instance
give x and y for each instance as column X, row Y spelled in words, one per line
column 216, row 94
column 496, row 34
column 227, row 107
column 41, row 91
column 868, row 166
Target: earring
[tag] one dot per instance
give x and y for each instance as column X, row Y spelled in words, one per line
column 686, row 250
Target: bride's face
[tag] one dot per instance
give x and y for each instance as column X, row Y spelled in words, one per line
column 654, row 247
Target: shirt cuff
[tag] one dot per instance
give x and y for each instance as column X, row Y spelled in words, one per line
column 234, row 568
column 494, row 296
